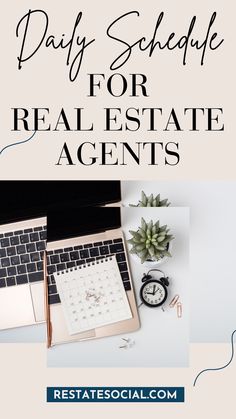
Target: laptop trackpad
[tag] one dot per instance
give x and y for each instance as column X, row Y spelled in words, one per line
column 16, row 307
column 37, row 291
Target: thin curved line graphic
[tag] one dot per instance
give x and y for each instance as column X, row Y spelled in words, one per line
column 20, row 142
column 220, row 368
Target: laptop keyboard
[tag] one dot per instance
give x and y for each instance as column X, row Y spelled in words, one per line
column 66, row 258
column 21, row 256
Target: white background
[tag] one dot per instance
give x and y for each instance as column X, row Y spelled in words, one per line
column 212, row 250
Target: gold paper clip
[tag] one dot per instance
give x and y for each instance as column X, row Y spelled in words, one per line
column 179, row 310
column 174, row 301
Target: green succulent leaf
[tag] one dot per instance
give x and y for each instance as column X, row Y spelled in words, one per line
column 169, row 237
column 158, row 200
column 151, row 250
column 157, row 255
column 135, row 234
column 157, row 225
column 144, row 198
column 140, row 247
column 163, row 228
column 154, row 229
column 143, row 224
column 163, row 203
column 165, row 242
column 142, row 232
column 166, row 253
column 150, row 241
column 143, row 253
column 160, row 239
column 137, row 241
column 161, row 248
column 143, row 259
column 148, row 230
column 151, row 201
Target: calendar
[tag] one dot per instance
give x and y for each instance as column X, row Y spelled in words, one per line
column 92, row 295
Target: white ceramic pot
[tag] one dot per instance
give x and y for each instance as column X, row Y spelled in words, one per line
column 152, row 264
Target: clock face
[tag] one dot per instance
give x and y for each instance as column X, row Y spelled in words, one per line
column 153, row 293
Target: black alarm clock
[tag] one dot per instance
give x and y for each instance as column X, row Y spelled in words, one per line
column 153, row 292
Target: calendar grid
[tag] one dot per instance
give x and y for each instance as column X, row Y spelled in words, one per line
column 92, row 295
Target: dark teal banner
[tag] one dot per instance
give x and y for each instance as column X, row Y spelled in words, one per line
column 115, row 394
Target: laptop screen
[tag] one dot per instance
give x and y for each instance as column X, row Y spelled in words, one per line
column 81, row 221
column 21, row 200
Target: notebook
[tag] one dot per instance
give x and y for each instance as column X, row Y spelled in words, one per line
column 92, row 295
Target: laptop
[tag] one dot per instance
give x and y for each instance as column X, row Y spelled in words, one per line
column 77, row 237
column 23, row 233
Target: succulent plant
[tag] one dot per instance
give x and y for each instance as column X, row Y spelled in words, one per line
column 151, row 201
column 151, row 241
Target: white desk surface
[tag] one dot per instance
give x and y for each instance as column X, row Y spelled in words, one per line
column 212, row 250
column 162, row 340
